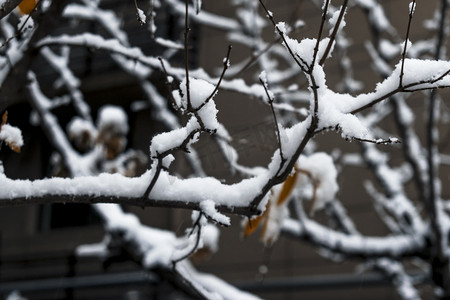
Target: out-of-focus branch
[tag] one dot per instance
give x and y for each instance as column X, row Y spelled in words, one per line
column 45, row 22
column 355, row 246
column 441, row 256
column 7, row 6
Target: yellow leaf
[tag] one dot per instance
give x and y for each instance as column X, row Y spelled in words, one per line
column 27, row 6
column 251, row 225
column 287, row 187
column 286, row 190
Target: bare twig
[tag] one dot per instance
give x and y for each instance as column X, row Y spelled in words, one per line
column 256, row 56
column 186, row 54
column 319, row 36
column 197, row 240
column 167, row 83
column 303, row 66
column 334, row 33
column 226, row 64
column 411, row 12
column 154, row 179
column 270, row 100
column 196, row 223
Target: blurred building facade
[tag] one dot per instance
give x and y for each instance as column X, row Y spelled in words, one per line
column 37, row 243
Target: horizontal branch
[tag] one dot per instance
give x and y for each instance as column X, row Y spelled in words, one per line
column 205, row 18
column 135, row 54
column 169, row 192
column 134, row 201
column 418, row 75
column 355, row 245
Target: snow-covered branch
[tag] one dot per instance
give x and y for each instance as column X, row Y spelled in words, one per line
column 355, row 245
column 304, row 100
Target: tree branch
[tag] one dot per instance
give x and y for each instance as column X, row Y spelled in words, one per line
column 353, row 246
column 7, row 7
column 334, row 33
column 138, row 201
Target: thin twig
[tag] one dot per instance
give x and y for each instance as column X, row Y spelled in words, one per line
column 411, row 12
column 168, row 84
column 440, row 77
column 186, row 54
column 406, row 88
column 197, row 240
column 334, row 33
column 154, row 179
column 319, row 36
column 256, row 56
column 196, row 223
column 226, row 64
column 281, row 34
column 425, row 89
column 283, row 159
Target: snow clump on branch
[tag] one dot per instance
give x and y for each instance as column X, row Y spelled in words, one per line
column 113, row 116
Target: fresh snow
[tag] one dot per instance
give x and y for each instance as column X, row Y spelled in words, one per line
column 321, row 167
column 11, row 135
column 113, row 117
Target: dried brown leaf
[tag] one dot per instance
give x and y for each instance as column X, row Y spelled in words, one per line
column 14, row 147
column 4, row 119
column 251, row 225
column 287, row 187
column 27, row 6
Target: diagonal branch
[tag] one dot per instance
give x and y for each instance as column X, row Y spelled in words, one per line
column 302, row 64
column 319, row 37
column 7, row 6
column 411, row 13
column 334, row 33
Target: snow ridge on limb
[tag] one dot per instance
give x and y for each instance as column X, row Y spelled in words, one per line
column 295, row 172
column 340, row 113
